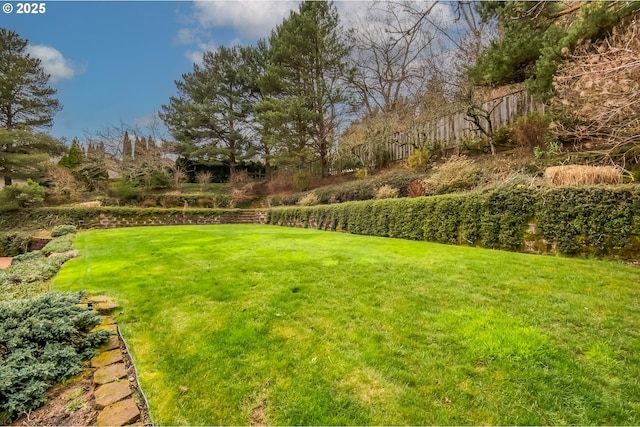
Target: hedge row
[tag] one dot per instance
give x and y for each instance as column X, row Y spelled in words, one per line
column 86, row 217
column 593, row 220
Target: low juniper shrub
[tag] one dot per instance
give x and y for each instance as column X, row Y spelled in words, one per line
column 43, row 341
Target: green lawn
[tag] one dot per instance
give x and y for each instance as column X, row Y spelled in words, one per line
column 234, row 324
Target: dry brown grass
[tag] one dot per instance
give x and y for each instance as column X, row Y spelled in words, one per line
column 582, row 175
column 280, row 181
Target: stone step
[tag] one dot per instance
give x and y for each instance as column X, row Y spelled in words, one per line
column 108, row 374
column 119, row 414
column 112, row 343
column 111, row 393
column 107, row 358
column 105, row 307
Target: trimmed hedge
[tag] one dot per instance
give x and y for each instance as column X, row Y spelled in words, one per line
column 105, row 217
column 592, row 220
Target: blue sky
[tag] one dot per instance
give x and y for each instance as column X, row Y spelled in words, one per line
column 115, row 62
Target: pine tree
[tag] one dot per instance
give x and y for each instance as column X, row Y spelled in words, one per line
column 536, row 37
column 212, row 110
column 26, row 103
column 303, row 81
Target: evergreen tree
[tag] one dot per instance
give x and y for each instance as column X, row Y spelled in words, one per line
column 24, row 154
column 209, row 118
column 536, row 37
column 26, row 103
column 74, row 157
column 127, row 149
column 258, row 60
column 303, row 81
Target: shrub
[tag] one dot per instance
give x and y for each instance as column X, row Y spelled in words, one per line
column 583, row 175
column 361, row 174
column 419, row 161
column 158, row 180
column 386, row 192
column 44, row 340
column 206, row 202
column 179, row 177
column 502, row 137
column 309, row 200
column 415, row 189
column 126, row 191
column 61, row 230
column 396, row 178
column 204, row 179
column 59, row 245
column 456, row 174
column 280, row 181
column 301, row 181
column 63, row 185
column 170, row 201
column 238, row 195
column 23, row 195
column 530, row 131
column 14, row 243
column 148, row 203
column 27, row 275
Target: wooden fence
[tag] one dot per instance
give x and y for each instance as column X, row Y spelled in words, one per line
column 447, row 134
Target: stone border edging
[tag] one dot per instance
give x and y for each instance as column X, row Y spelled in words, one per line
column 114, row 392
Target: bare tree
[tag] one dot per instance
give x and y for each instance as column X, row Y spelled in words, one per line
column 391, row 45
column 150, row 161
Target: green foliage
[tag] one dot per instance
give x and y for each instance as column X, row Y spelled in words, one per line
column 159, row 180
column 13, row 243
column 26, row 101
column 26, row 270
column 61, row 230
column 221, row 110
column 302, row 181
column 597, row 220
column 74, row 157
column 536, row 35
column 44, row 340
column 419, row 161
column 126, row 190
column 361, row 173
column 503, row 137
column 307, row 60
column 59, row 245
column 23, row 195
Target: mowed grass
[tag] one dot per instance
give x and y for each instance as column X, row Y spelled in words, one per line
column 249, row 324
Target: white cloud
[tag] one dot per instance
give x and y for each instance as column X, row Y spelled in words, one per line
column 54, row 63
column 252, row 19
column 195, row 56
